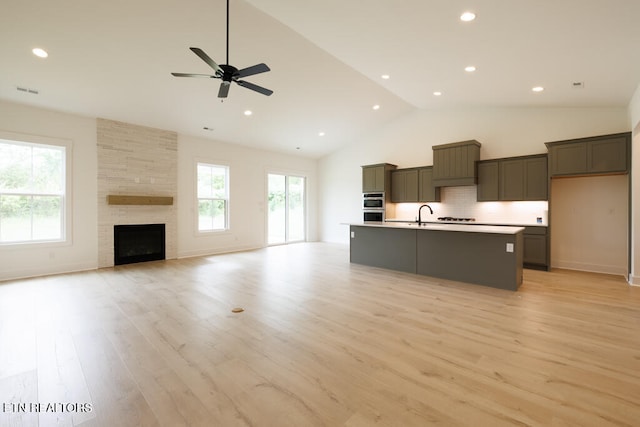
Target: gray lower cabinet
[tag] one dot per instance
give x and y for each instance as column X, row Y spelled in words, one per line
column 513, row 179
column 536, row 248
column 605, row 154
column 390, row 248
column 480, row 258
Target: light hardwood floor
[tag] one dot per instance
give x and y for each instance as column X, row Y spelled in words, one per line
column 321, row 342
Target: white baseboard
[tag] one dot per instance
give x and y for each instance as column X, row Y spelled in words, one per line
column 207, row 252
column 592, row 268
column 39, row 272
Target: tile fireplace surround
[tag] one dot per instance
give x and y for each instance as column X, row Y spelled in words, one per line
column 135, row 161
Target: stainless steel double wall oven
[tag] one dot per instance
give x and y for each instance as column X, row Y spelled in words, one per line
column 373, row 207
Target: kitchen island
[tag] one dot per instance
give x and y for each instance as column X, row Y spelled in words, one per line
column 479, row 254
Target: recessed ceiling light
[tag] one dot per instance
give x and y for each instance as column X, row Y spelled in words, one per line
column 376, row 107
column 468, row 16
column 248, row 112
column 386, row 76
column 40, row 53
column 537, row 89
column 437, row 93
column 320, row 133
column 470, row 69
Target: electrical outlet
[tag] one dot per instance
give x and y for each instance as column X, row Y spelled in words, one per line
column 509, row 247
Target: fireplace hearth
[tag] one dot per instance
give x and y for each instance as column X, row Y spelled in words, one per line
column 138, row 243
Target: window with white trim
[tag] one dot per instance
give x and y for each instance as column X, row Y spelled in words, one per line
column 32, row 192
column 213, row 197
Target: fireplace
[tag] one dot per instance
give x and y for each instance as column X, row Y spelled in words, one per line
column 138, row 243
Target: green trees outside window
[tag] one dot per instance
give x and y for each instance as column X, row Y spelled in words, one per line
column 32, row 191
column 213, row 197
column 286, row 215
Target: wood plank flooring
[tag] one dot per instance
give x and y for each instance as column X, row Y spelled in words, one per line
column 321, row 342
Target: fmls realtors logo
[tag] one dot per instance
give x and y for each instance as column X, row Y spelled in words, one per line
column 46, row 407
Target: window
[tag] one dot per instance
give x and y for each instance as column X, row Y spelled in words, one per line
column 32, row 192
column 213, row 197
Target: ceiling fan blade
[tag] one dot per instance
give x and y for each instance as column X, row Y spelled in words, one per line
column 208, row 60
column 250, row 71
column 224, row 89
column 194, row 75
column 256, row 88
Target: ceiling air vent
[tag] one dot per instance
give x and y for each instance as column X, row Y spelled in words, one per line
column 27, row 90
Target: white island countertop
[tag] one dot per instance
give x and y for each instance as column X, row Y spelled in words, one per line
column 491, row 229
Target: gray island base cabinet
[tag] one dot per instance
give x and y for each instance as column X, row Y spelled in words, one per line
column 485, row 258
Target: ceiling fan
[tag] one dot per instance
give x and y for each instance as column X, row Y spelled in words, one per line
column 229, row 73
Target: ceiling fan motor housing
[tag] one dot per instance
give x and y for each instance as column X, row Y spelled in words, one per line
column 229, row 72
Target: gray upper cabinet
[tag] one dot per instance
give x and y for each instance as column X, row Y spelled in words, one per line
column 607, row 154
column 488, row 182
column 404, row 186
column 427, row 192
column 377, row 178
column 455, row 164
column 513, row 179
column 372, row 178
column 568, row 159
column 414, row 185
column 536, row 178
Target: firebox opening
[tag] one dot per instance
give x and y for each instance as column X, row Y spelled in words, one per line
column 138, row 243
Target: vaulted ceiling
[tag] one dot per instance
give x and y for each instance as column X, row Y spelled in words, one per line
column 113, row 59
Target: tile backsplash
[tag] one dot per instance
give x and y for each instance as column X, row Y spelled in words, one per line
column 461, row 202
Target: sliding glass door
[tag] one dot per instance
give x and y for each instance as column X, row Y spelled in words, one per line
column 286, row 211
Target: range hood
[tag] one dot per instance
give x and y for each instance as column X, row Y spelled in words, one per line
column 455, row 164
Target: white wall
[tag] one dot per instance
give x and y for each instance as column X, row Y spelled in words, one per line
column 634, row 119
column 634, row 109
column 248, row 171
column 81, row 251
column 407, row 142
column 590, row 217
column 248, row 194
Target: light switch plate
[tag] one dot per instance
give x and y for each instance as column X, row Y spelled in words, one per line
column 509, row 247
column 353, row 234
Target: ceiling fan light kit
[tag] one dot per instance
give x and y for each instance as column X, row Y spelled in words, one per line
column 228, row 73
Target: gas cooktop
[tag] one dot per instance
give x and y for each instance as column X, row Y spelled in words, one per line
column 454, row 219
